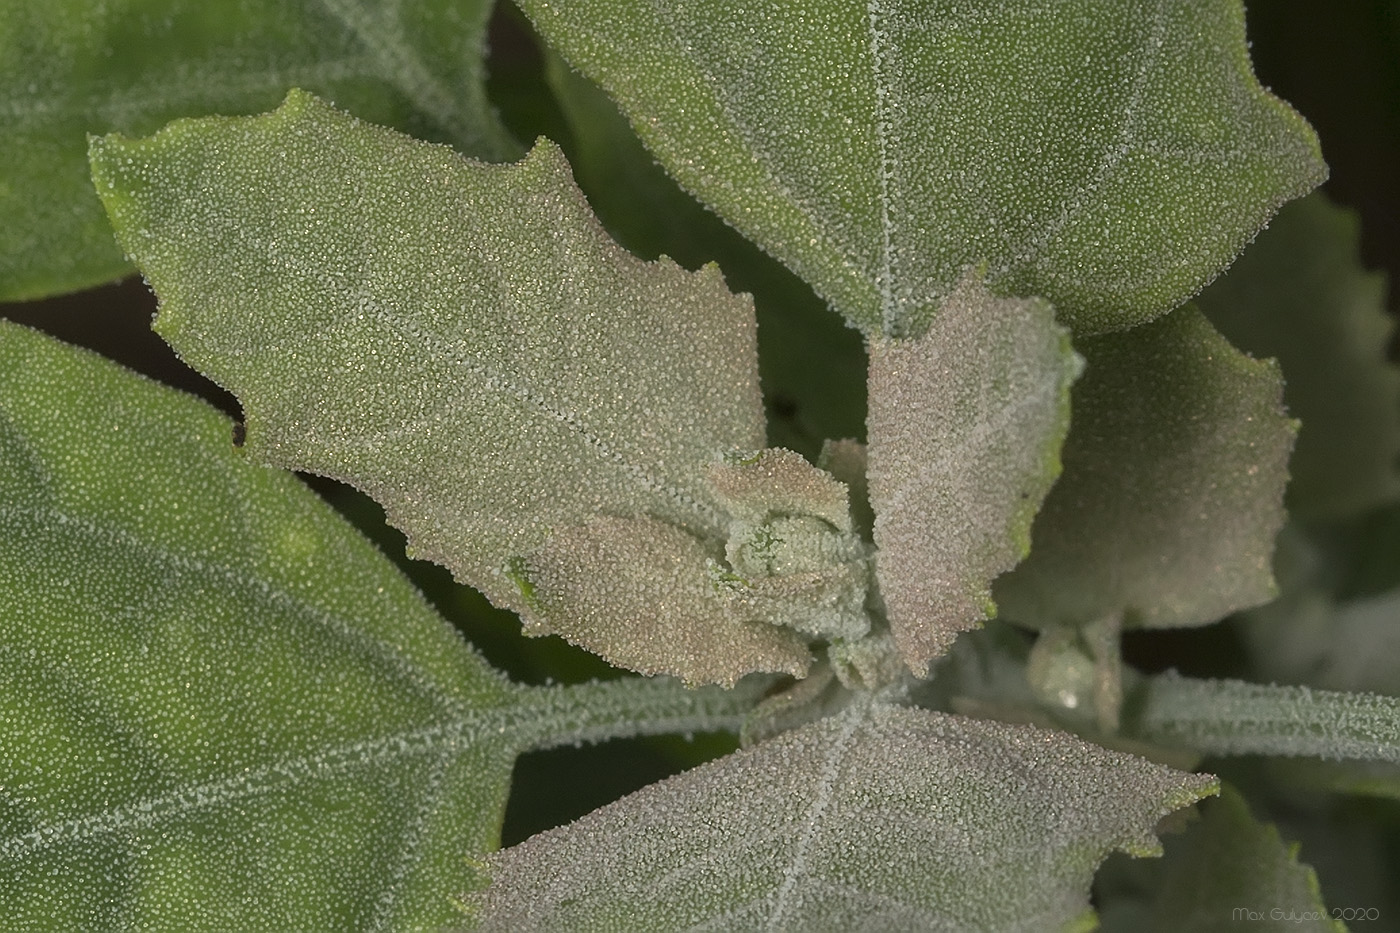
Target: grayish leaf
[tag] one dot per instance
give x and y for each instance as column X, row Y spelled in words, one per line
column 461, row 341
column 1301, row 295
column 965, row 429
column 1172, row 493
column 793, row 557
column 637, row 592
column 880, row 818
column 1233, row 717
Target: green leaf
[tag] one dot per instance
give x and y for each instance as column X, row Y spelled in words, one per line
column 73, row 67
column 1109, row 157
column 219, row 705
column 878, row 818
column 219, row 701
column 965, row 429
column 1301, row 295
column 1172, row 492
column 1227, row 872
column 462, row 342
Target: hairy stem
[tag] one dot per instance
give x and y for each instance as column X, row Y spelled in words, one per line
column 614, row 709
column 1232, row 717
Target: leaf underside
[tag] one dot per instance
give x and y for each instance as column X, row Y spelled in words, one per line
column 459, row 340
column 877, row 818
column 72, row 67
column 1172, row 493
column 217, row 700
column 1111, row 157
column 965, row 429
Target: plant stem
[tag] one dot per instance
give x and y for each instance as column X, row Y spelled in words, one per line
column 613, row 709
column 1232, row 717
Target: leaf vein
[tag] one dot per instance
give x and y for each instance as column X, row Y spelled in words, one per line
column 817, row 229
column 382, row 36
column 1111, row 157
column 439, row 739
column 122, row 541
column 827, row 779
column 883, row 91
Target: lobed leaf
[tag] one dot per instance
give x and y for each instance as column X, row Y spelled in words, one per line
column 877, row 818
column 1111, row 157
column 1172, row 492
column 1301, row 296
column 459, row 340
column 965, row 429
column 812, row 365
column 72, row 67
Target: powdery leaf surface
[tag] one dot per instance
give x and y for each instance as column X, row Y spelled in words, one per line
column 879, row 818
column 846, row 459
column 1109, row 156
column 218, row 702
column 459, row 340
column 793, row 557
column 637, row 592
column 965, row 429
column 1172, row 492
column 812, row 364
column 73, row 67
column 1301, row 295
column 777, row 481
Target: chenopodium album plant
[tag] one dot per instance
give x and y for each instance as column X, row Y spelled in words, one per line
column 223, row 708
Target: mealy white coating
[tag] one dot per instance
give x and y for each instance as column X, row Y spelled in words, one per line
column 965, row 428
column 462, row 341
column 879, row 818
column 1303, row 296
column 1172, row 493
